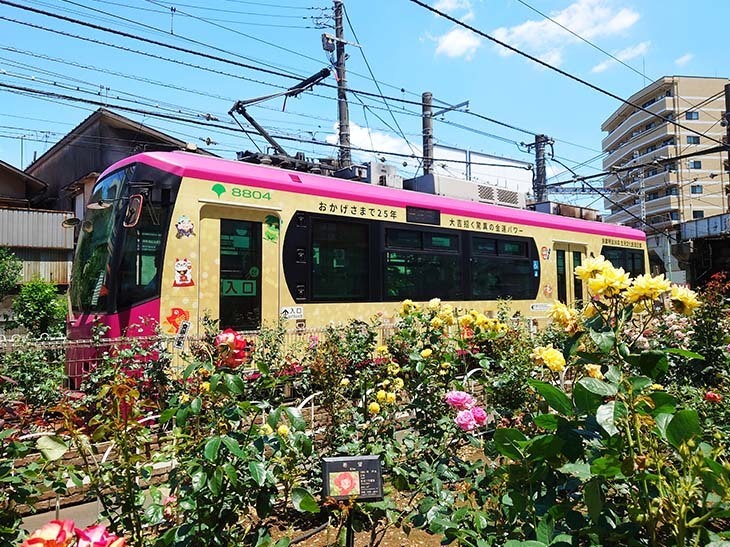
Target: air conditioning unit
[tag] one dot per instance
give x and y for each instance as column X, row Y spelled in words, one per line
column 466, row 190
column 382, row 174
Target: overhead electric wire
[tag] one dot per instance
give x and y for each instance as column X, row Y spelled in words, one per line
column 36, row 92
column 548, row 65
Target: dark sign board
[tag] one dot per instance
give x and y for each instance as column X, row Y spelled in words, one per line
column 352, row 477
column 424, row 216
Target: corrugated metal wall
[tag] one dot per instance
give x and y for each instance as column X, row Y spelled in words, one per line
column 53, row 265
column 38, row 239
column 35, row 229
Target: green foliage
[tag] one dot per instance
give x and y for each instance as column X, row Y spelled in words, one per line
column 39, row 309
column 10, row 272
column 34, row 375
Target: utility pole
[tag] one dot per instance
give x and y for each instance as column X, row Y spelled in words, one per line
column 343, row 114
column 427, row 101
column 726, row 122
column 539, row 181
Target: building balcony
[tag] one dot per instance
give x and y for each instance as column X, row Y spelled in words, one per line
column 634, row 125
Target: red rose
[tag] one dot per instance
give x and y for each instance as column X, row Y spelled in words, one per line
column 712, row 397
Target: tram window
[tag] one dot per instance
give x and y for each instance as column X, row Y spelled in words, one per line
column 632, row 261
column 340, row 265
column 511, row 248
column 422, row 276
column 403, row 239
column 493, row 278
column 441, row 242
column 484, row 245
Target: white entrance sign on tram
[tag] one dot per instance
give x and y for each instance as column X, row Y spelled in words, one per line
column 292, row 312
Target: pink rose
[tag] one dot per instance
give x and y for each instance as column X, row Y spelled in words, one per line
column 97, row 536
column 712, row 397
column 460, row 400
column 56, row 532
column 465, row 420
column 480, row 416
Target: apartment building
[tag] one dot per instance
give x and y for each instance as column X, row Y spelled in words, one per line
column 647, row 185
column 649, row 189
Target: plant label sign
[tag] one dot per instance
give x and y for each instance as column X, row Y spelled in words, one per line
column 352, row 477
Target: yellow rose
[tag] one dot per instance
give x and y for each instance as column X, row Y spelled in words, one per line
column 646, row 287
column 380, row 395
column 345, row 382
column 657, row 387
column 398, row 383
column 390, row 397
column 374, row 408
column 426, row 353
column 434, row 304
column 266, row 429
column 382, row 350
column 393, row 369
column 591, row 267
column 550, row 357
column 184, row 398
column 609, row 283
column 282, row 430
column 594, row 371
column 445, row 365
column 205, row 386
column 684, row 301
column 437, row 322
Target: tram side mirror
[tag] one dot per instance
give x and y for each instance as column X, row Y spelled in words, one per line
column 71, row 222
column 134, row 210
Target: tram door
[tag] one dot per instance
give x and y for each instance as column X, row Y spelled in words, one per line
column 239, row 281
column 568, row 256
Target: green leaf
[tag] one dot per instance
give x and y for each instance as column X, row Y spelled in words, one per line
column 304, row 501
column 211, row 449
column 606, row 418
column 233, row 447
column 52, row 447
column 195, row 405
column 546, row 421
column 234, row 383
column 528, row 543
column 662, row 420
column 258, row 472
column 585, row 401
column 605, row 340
column 653, row 364
column 545, row 529
column 664, row 403
column 599, row 387
column 273, row 418
column 638, row 383
column 580, row 470
column 295, row 418
column 506, row 441
column 684, row 425
column 593, row 499
column 685, row 353
column 555, row 397
column 606, row 466
column 198, row 479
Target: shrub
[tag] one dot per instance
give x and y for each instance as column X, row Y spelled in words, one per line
column 39, row 309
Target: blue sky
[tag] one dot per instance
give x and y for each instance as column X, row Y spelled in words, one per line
column 408, row 49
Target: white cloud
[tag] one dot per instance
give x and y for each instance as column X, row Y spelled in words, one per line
column 684, row 59
column 626, row 54
column 450, row 6
column 362, row 137
column 589, row 19
column 458, row 42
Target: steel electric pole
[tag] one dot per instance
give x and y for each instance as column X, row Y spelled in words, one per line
column 539, row 180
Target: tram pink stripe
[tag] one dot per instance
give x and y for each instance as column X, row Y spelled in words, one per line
column 261, row 176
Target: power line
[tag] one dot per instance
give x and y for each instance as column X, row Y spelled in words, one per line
column 549, row 66
column 36, row 92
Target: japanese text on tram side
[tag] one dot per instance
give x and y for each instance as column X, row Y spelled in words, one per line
column 622, row 243
column 495, row 227
column 357, row 210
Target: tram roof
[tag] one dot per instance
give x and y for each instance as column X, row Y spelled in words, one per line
column 190, row 165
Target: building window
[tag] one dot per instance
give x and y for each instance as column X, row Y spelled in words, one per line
column 696, row 188
column 693, row 139
column 692, row 115
column 674, row 215
column 698, row 214
column 672, row 191
column 694, row 164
